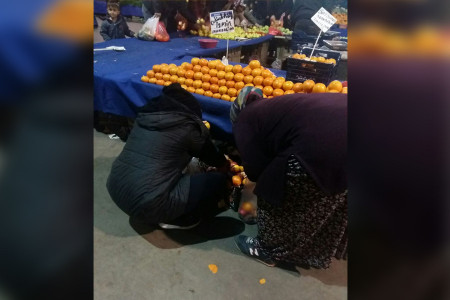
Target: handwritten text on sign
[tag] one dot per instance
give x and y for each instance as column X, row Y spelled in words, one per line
column 222, row 21
column 323, row 19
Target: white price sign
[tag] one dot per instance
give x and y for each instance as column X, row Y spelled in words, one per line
column 323, row 19
column 222, row 21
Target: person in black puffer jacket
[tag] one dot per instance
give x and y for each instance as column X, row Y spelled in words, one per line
column 147, row 180
column 115, row 26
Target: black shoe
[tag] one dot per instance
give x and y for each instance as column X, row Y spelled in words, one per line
column 235, row 198
column 247, row 245
column 183, row 222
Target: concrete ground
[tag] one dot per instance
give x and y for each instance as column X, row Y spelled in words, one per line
column 174, row 264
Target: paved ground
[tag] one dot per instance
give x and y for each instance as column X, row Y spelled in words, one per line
column 174, row 265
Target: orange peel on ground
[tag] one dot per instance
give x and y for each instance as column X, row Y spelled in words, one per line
column 213, row 268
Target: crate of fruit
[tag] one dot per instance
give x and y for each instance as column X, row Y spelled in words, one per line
column 321, row 67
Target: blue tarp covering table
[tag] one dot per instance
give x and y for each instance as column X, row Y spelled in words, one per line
column 118, row 88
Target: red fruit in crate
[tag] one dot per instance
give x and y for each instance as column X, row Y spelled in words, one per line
column 344, row 83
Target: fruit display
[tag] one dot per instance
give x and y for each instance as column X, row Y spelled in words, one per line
column 204, row 30
column 314, row 58
column 341, row 15
column 239, row 32
column 214, row 79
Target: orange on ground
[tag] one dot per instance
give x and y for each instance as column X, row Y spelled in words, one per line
column 230, row 84
column 319, row 88
column 189, row 74
column 221, row 74
column 181, row 72
column 203, row 62
column 223, row 90
column 258, row 80
column 213, row 72
column 266, row 74
column 206, row 86
column 214, row 80
column 254, row 64
column 277, row 92
column 268, row 90
column 164, row 70
column 308, row 85
column 228, row 68
column 277, row 84
column 144, row 78
column 208, row 93
column 198, row 75
column 267, row 81
column 222, row 82
column 248, row 79
column 199, row 91
column 239, row 85
column 206, row 77
column 166, row 77
column 238, row 77
column 158, row 76
column 247, row 71
column 150, row 73
column 214, row 88
column 152, row 80
column 335, row 85
column 288, row 85
column 225, row 97
column 229, row 76
column 232, row 92
column 157, row 68
column 197, row 84
column 174, row 78
column 289, row 92
column 237, row 69
column 297, row 87
column 256, row 72
column 191, row 89
column 217, row 95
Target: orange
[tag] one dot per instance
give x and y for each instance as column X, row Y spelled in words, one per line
column 157, row 68
column 259, row 87
column 296, row 55
column 174, row 78
column 173, row 70
column 288, row 85
column 220, row 66
column 238, row 77
column 239, row 85
column 213, row 72
column 208, row 94
column 230, row 84
column 266, row 74
column 188, row 66
column 335, row 85
column 282, row 79
column 332, row 61
column 248, row 79
column 184, row 65
column 164, row 70
column 164, row 65
column 203, row 62
column 254, row 64
column 150, row 73
column 152, row 80
column 198, row 75
column 189, row 74
column 289, row 92
column 258, row 80
column 232, row 92
column 331, row 91
column 195, row 61
column 181, row 80
column 205, row 70
column 223, row 90
column 268, row 90
column 321, row 59
column 233, row 98
column 158, row 76
column 214, row 88
column 144, row 78
column 277, row 92
column 197, row 68
column 222, row 82
column 217, row 95
column 297, row 87
column 249, row 84
column 199, row 91
column 236, row 180
column 212, row 64
column 172, row 65
column 344, row 90
column 267, row 81
column 225, row 97
column 256, row 72
column 277, row 84
column 189, row 82
column 166, row 77
column 181, row 72
column 214, row 80
column 308, row 86
column 229, row 76
column 228, row 68
column 319, row 88
column 247, row 71
column 247, row 206
column 160, row 82
column 184, row 86
column 197, row 84
column 191, row 89
column 237, row 69
column 221, row 74
column 206, row 85
column 206, row 77
column 270, row 97
column 167, row 83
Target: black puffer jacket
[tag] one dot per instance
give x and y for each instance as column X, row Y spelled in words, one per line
column 146, row 178
column 117, row 30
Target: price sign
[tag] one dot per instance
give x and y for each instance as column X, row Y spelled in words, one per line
column 222, row 21
column 323, row 19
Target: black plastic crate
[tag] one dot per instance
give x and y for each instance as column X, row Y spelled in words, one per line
column 299, row 70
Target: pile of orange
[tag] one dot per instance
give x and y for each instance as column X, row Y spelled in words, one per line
column 309, row 86
column 315, row 58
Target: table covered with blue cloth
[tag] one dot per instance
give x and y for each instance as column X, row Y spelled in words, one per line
column 118, row 88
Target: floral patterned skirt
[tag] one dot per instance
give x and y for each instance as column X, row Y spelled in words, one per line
column 309, row 228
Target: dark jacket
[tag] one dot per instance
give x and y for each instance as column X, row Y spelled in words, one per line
column 117, row 30
column 146, row 178
column 312, row 127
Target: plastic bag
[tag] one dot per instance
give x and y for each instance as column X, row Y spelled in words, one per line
column 181, row 22
column 161, row 33
column 148, row 30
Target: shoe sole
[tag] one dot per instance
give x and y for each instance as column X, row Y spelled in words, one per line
column 258, row 260
column 169, row 226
